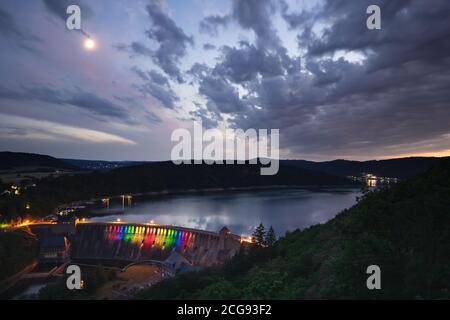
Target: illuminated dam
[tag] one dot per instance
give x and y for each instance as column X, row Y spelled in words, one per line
column 142, row 242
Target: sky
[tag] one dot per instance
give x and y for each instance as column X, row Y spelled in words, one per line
column 311, row 69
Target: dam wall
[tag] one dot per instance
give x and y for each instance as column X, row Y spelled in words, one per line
column 140, row 242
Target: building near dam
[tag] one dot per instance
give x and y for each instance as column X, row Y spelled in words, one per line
column 54, row 248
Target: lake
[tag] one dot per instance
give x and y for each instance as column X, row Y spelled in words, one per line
column 284, row 209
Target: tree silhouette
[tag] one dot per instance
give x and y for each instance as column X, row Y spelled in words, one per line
column 259, row 234
column 270, row 237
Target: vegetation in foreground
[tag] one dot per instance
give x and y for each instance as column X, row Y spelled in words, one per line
column 93, row 279
column 404, row 229
column 17, row 250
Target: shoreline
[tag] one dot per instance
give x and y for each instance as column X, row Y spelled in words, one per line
column 96, row 203
column 211, row 190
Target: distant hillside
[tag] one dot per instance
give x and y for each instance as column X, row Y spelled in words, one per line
column 403, row 229
column 166, row 175
column 396, row 168
column 155, row 177
column 14, row 160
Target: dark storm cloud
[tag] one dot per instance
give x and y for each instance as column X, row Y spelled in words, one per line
column 210, row 25
column 139, row 48
column 245, row 63
column 140, row 73
column 202, row 114
column 10, row 29
column 411, row 30
column 393, row 97
column 156, row 85
column 165, row 95
column 257, row 15
column 78, row 98
column 158, row 78
column 209, row 46
column 172, row 40
column 222, row 96
column 302, row 19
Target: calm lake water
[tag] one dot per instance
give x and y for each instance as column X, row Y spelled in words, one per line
column 286, row 209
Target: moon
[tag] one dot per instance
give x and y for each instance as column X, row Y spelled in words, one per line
column 89, row 44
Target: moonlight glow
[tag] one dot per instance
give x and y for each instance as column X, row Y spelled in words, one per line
column 89, row 44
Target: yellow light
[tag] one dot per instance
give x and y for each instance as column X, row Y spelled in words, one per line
column 89, row 44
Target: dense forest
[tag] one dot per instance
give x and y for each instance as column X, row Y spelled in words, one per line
column 404, row 229
column 51, row 191
column 17, row 250
column 402, row 168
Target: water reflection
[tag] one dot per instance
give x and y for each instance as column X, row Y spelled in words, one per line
column 240, row 211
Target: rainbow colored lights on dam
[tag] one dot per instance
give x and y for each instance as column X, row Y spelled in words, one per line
column 149, row 236
column 125, row 241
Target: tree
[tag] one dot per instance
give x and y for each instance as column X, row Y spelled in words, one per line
column 259, row 234
column 270, row 237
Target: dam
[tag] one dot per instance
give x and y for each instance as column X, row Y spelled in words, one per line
column 136, row 242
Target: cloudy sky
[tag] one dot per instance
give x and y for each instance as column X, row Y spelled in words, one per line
column 310, row 68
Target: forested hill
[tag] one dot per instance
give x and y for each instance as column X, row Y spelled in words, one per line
column 395, row 168
column 161, row 176
column 12, row 160
column 404, row 229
